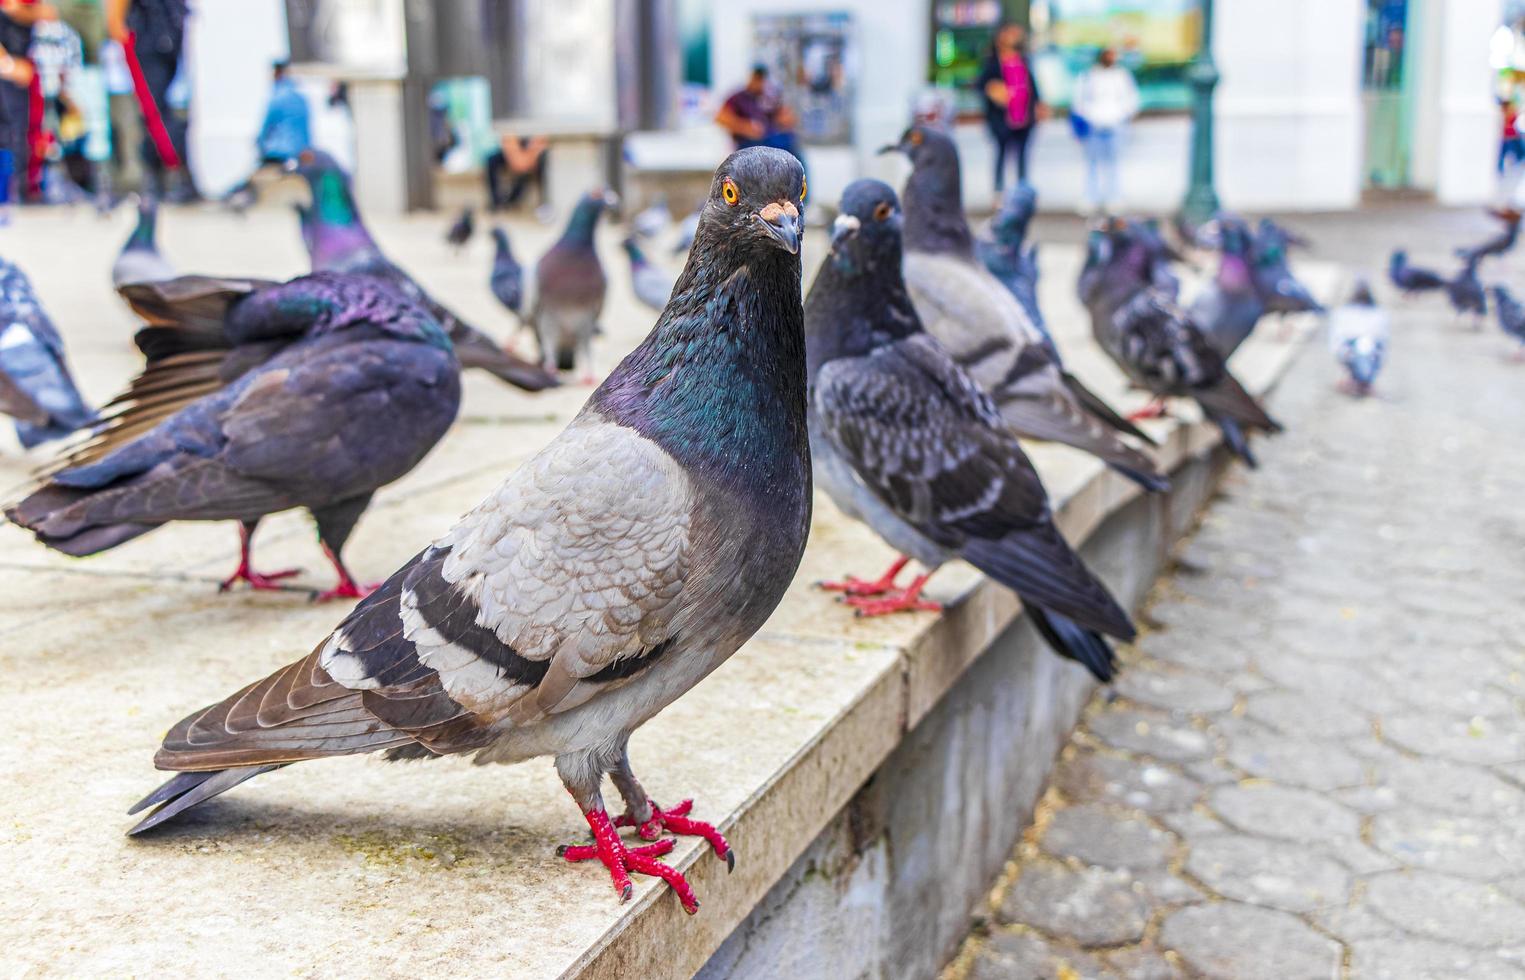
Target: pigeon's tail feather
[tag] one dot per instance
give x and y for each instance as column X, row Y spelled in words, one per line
column 475, row 349
column 1093, row 404
column 1234, row 438
column 1039, row 566
column 38, row 510
column 188, row 789
column 1151, row 481
column 1227, row 398
column 1075, row 642
column 1042, row 419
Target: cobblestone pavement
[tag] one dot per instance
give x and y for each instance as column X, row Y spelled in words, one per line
column 1313, row 764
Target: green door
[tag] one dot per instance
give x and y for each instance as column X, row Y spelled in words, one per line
column 1387, row 91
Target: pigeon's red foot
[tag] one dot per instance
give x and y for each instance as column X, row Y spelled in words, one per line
column 589, row 379
column 346, row 589
column 622, row 861
column 676, row 821
column 853, row 585
column 1154, row 410
column 259, row 581
column 903, row 600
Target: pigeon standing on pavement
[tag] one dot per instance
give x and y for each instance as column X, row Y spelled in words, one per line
column 507, row 277
column 1511, row 314
column 459, row 232
column 607, row 576
column 1499, row 243
column 36, row 388
column 139, row 260
column 652, row 285
column 1466, row 294
column 1229, row 306
column 1280, row 290
column 1412, row 279
column 569, row 291
column 1359, row 332
column 337, row 241
column 984, row 327
column 1155, row 341
column 1007, row 255
column 903, row 439
column 652, row 220
column 257, row 398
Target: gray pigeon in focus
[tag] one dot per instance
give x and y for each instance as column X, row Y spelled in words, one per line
column 608, row 575
column 1156, row 342
column 459, row 232
column 337, row 241
column 257, row 398
column 984, row 327
column 139, row 260
column 903, row 439
column 569, row 291
column 507, row 278
column 1412, row 279
column 1359, row 332
column 1229, row 306
column 36, row 388
column 1511, row 314
column 652, row 285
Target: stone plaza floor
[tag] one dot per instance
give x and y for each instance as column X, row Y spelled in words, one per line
column 1313, row 763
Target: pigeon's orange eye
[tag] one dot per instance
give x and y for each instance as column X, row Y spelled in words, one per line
column 916, row 137
column 804, row 184
column 882, row 211
column 729, row 192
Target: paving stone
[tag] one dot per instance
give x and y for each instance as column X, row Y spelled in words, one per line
column 1469, row 846
column 1211, row 772
column 1480, row 741
column 1449, row 909
column 1342, row 682
column 1024, row 955
column 1092, row 907
column 1419, row 959
column 1283, row 813
column 1193, row 823
column 1353, row 922
column 1361, row 857
column 1095, row 776
column 1448, row 787
column 1175, row 691
column 1367, row 799
column 1151, row 733
column 1309, row 715
column 1167, row 888
column 1296, row 762
column 1097, row 835
column 1226, row 939
column 1203, row 653
column 1290, row 877
column 1140, row 963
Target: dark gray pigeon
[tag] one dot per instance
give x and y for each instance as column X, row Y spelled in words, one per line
column 1412, row 279
column 1500, row 243
column 652, row 285
column 139, row 260
column 507, row 278
column 36, row 388
column 1010, row 259
column 337, row 241
column 606, row 577
column 569, row 291
column 687, row 228
column 257, row 398
column 652, row 219
column 903, row 439
column 1511, row 316
column 459, row 232
column 1466, row 294
column 1156, row 342
column 984, row 327
column 1270, row 265
column 1229, row 305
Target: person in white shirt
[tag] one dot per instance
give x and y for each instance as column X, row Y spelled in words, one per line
column 1105, row 101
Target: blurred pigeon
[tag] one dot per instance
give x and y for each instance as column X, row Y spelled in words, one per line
column 307, row 226
column 652, row 285
column 139, row 260
column 1156, row 342
column 1412, row 278
column 337, row 241
column 985, row 328
column 1359, row 332
column 1511, row 316
column 1499, row 243
column 36, row 388
column 686, row 231
column 1161, row 254
column 459, row 233
column 1280, row 290
column 507, row 279
column 605, row 578
column 1229, row 306
column 258, row 397
column 1466, row 294
column 903, row 439
column 569, row 291
column 652, row 220
column 1006, row 258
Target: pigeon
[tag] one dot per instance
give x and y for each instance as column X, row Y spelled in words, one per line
column 139, row 260
column 1358, row 337
column 686, row 231
column 1162, row 253
column 602, row 580
column 1466, row 294
column 903, row 439
column 569, row 291
column 652, row 285
column 1229, row 306
column 1511, row 316
column 1156, row 342
column 1006, row 258
column 36, row 388
column 1412, row 279
column 459, row 233
column 507, row 279
column 1499, row 243
column 651, row 221
column 337, row 241
column 1280, row 290
column 257, row 397
column 985, row 328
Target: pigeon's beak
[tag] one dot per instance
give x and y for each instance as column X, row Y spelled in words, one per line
column 782, row 220
column 888, row 148
column 845, row 227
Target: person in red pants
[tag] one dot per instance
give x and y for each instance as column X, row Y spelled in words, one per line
column 156, row 31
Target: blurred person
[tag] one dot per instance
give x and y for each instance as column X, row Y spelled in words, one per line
column 156, row 31
column 20, row 96
column 517, row 163
column 1013, row 105
column 58, row 55
column 1511, row 144
column 287, row 128
column 755, row 115
column 1105, row 101
column 125, row 121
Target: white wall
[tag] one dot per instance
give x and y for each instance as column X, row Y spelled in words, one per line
column 231, row 45
column 1458, row 150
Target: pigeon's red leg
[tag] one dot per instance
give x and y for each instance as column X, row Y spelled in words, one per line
column 245, row 571
column 347, row 588
column 856, row 586
column 622, row 861
column 676, row 821
column 1154, row 410
column 906, row 600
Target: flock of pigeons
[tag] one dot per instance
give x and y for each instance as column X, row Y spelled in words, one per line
column 1464, row 289
column 640, row 548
